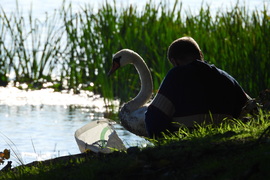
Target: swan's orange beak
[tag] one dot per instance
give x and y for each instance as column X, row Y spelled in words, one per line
column 115, row 66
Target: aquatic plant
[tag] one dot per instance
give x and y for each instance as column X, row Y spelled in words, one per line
column 29, row 48
column 79, row 49
column 227, row 40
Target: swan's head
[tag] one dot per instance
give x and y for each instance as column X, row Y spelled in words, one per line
column 122, row 58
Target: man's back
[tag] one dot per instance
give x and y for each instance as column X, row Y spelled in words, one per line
column 198, row 88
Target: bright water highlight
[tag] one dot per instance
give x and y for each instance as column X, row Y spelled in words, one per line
column 40, row 124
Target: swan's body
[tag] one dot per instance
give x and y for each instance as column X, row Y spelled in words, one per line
column 132, row 113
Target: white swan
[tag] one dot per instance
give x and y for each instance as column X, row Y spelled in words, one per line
column 132, row 113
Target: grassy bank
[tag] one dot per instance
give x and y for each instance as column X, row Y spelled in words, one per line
column 233, row 150
column 78, row 46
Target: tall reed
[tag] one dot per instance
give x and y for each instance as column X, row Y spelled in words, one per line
column 235, row 40
column 29, row 48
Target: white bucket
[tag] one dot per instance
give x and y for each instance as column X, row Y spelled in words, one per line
column 98, row 136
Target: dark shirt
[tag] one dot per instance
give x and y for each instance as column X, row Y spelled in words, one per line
column 195, row 88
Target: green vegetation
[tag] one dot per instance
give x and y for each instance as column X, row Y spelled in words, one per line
column 78, row 47
column 28, row 47
column 233, row 150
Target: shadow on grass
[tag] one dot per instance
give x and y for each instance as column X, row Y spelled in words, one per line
column 231, row 151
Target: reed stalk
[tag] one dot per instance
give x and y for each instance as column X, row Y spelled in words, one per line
column 81, row 48
column 30, row 48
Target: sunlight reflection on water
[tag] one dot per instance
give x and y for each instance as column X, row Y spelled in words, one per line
column 41, row 124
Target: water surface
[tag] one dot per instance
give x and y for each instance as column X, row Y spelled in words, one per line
column 40, row 124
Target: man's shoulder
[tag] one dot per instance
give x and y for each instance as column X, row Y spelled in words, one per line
column 219, row 73
column 213, row 68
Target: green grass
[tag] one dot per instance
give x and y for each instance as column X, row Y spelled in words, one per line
column 235, row 40
column 233, row 150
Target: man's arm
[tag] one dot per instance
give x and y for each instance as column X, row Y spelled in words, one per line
column 156, row 122
column 161, row 110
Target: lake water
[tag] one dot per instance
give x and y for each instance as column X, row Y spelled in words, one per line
column 40, row 7
column 38, row 125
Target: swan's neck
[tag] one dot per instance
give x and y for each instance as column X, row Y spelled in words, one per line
column 146, row 85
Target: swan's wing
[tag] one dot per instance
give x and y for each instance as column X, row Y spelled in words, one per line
column 139, row 114
column 134, row 122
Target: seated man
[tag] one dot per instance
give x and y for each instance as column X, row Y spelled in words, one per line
column 192, row 91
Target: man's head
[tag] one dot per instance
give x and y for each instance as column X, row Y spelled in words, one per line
column 183, row 51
